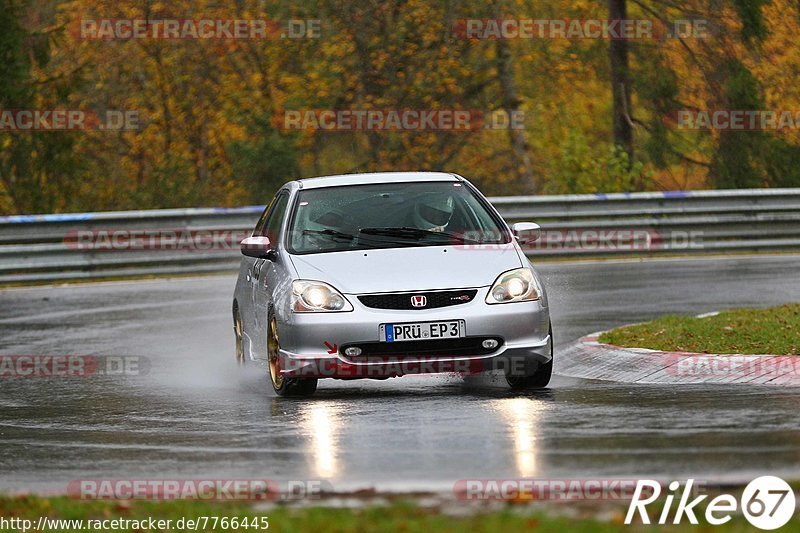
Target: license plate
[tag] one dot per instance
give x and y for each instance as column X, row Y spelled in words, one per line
column 422, row 331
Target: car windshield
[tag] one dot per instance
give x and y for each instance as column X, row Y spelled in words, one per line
column 391, row 215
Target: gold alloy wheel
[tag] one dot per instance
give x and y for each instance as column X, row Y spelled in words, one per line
column 273, row 354
column 237, row 331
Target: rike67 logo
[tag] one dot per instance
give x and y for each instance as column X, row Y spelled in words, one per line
column 767, row 502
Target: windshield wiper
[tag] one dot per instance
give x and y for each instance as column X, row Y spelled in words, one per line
column 329, row 233
column 418, row 233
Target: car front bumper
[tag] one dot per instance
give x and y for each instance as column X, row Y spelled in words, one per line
column 311, row 343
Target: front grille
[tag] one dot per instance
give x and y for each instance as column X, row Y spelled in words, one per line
column 461, row 347
column 402, row 300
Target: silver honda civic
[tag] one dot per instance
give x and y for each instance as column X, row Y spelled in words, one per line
column 387, row 274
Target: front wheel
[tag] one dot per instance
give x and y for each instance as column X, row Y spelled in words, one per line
column 238, row 335
column 537, row 378
column 283, row 386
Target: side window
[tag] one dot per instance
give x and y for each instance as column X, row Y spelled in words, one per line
column 262, row 221
column 272, row 227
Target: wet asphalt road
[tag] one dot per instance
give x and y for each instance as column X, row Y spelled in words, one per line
column 196, row 415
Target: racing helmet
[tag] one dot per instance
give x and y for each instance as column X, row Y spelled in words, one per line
column 433, row 212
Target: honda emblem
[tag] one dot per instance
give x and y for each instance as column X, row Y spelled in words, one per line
column 419, row 301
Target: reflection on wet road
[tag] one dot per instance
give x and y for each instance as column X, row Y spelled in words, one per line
column 196, row 415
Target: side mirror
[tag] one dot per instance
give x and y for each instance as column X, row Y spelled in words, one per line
column 258, row 247
column 526, row 232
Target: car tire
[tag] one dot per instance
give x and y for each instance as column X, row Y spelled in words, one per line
column 238, row 335
column 283, row 386
column 538, row 377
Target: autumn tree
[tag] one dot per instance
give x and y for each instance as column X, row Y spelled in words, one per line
column 37, row 168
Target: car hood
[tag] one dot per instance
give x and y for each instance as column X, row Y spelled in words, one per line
column 408, row 269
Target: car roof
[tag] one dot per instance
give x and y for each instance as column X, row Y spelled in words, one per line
column 374, row 177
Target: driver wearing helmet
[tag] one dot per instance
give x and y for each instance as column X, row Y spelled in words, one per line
column 433, row 212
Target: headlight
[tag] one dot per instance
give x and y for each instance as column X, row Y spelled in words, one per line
column 514, row 286
column 316, row 296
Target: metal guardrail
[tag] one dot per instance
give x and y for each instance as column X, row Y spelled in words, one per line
column 40, row 248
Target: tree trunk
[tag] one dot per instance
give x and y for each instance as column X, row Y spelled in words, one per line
column 520, row 159
column 519, row 145
column 620, row 84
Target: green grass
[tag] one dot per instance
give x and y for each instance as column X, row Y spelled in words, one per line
column 739, row 331
column 399, row 516
column 396, row 517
